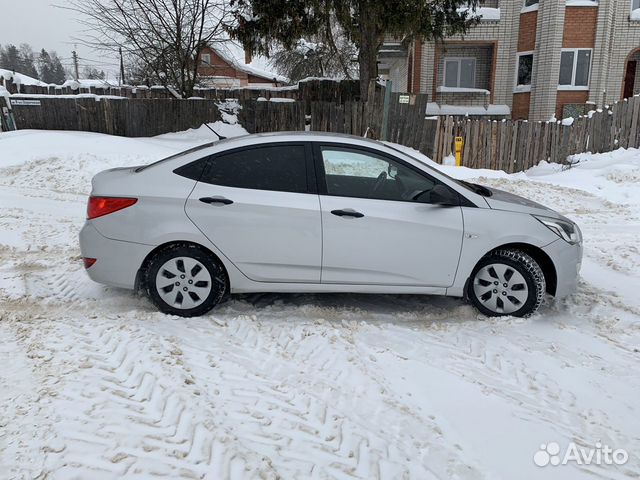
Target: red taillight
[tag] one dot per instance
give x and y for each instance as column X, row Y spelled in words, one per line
column 88, row 262
column 100, row 206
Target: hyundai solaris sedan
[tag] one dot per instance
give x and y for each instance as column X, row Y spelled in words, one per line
column 311, row 212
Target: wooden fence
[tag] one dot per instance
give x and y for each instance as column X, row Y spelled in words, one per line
column 124, row 117
column 4, row 119
column 514, row 146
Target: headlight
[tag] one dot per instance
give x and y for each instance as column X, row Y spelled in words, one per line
column 568, row 231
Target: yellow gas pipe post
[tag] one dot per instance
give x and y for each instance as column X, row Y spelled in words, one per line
column 459, row 144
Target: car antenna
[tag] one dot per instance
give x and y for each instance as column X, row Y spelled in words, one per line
column 220, row 137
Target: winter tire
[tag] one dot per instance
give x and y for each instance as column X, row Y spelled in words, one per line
column 507, row 282
column 185, row 280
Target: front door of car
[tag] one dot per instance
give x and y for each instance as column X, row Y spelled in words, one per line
column 380, row 225
column 258, row 206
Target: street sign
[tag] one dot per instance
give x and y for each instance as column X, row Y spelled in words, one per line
column 25, row 103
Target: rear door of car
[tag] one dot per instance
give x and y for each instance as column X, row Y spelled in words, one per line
column 259, row 206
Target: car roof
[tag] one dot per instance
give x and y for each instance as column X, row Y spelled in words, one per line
column 294, row 136
column 269, row 137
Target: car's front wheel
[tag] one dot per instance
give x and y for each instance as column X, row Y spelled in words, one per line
column 185, row 280
column 507, row 282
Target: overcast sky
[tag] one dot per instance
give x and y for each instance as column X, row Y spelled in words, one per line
column 41, row 24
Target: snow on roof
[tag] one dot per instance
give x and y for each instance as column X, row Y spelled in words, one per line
column 444, row 89
column 435, row 109
column 260, row 66
column 484, row 13
column 88, row 83
column 20, row 78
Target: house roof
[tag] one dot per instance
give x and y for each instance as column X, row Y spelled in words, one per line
column 233, row 53
column 21, row 78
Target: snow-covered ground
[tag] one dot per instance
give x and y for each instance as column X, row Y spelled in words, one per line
column 95, row 384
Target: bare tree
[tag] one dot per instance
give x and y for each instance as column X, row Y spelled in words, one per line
column 164, row 36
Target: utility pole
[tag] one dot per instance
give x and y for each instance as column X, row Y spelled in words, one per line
column 74, row 54
column 121, row 68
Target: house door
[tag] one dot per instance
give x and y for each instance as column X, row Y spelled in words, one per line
column 630, row 78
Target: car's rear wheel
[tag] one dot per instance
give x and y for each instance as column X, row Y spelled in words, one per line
column 507, row 282
column 185, row 280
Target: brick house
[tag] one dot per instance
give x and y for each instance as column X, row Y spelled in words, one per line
column 227, row 65
column 533, row 58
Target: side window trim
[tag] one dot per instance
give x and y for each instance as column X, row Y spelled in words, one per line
column 311, row 187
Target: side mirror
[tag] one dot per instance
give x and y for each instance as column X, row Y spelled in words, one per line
column 440, row 195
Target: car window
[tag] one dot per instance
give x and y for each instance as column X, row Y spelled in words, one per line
column 279, row 167
column 354, row 173
column 192, row 170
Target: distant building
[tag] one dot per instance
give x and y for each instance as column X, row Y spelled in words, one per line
column 535, row 59
column 227, row 65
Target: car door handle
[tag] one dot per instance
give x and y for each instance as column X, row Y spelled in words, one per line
column 216, row 200
column 347, row 212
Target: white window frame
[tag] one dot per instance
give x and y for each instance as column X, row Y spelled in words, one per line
column 459, row 60
column 573, row 85
column 205, row 59
column 530, row 8
column 523, row 88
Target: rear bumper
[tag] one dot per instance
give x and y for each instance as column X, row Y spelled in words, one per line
column 117, row 262
column 567, row 259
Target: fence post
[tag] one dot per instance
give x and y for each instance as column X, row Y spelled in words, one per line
column 385, row 111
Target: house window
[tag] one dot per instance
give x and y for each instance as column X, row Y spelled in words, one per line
column 460, row 72
column 205, row 59
column 530, row 3
column 575, row 66
column 525, row 68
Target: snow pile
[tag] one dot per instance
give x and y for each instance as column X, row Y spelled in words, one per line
column 614, row 176
column 97, row 384
column 67, row 161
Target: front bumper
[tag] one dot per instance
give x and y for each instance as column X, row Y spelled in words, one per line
column 567, row 259
column 117, row 262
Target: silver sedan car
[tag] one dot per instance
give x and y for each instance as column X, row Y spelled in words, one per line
column 311, row 212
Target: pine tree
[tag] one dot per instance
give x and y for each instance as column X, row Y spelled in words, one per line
column 260, row 23
column 27, row 61
column 10, row 58
column 58, row 74
column 44, row 66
